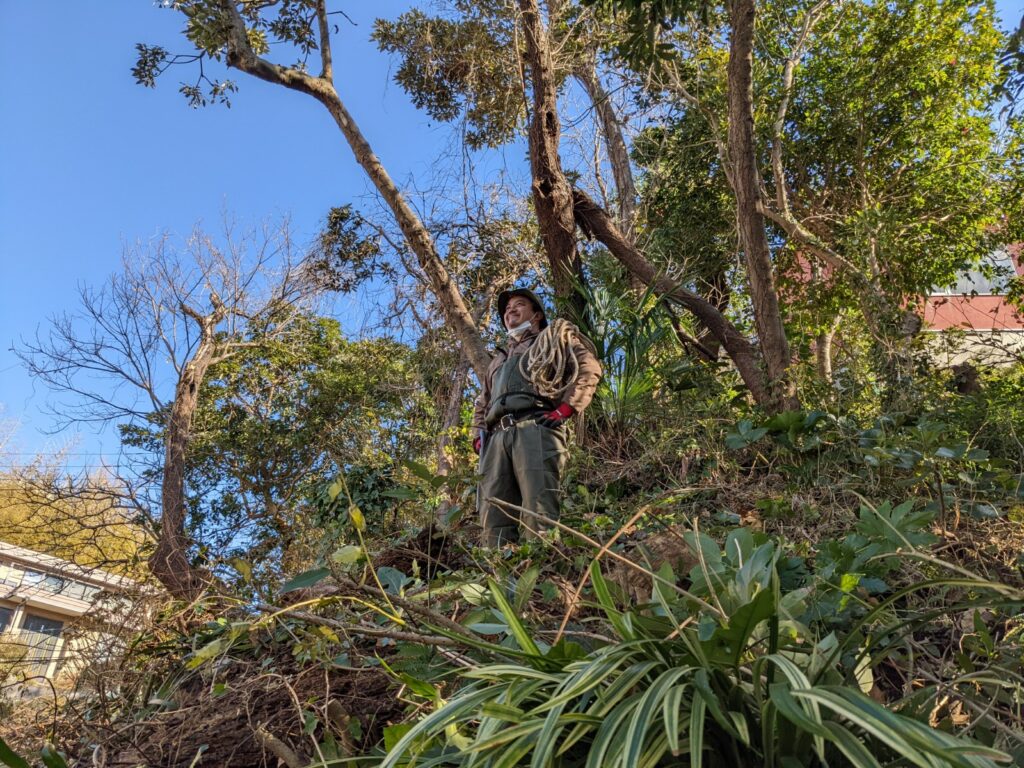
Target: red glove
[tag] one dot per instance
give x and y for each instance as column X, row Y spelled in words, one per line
column 552, row 419
column 476, row 445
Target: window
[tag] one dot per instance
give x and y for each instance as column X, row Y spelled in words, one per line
column 80, row 591
column 41, row 625
column 53, row 584
column 6, row 614
column 46, row 581
column 40, row 636
column 988, row 279
column 9, row 576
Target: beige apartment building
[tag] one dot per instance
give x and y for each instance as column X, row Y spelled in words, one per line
column 41, row 598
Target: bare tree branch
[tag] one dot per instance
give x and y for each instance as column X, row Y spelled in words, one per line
column 242, row 57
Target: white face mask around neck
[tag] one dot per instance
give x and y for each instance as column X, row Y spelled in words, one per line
column 520, row 330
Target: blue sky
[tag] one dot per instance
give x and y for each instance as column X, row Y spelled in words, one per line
column 90, row 161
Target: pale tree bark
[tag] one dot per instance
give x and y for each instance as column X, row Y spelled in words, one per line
column 614, row 141
column 241, row 56
column 823, row 351
column 596, row 222
column 452, row 414
column 552, row 193
column 750, row 220
column 170, row 560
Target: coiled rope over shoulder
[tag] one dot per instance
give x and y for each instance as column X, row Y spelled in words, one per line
column 550, row 363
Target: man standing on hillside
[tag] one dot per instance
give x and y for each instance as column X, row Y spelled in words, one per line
column 544, row 376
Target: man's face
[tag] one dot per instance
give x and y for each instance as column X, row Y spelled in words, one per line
column 519, row 310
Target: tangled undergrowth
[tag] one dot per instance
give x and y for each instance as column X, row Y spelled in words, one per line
column 799, row 590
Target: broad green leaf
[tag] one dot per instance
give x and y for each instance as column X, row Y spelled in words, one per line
column 9, row 758
column 421, row 471
column 419, row 687
column 738, row 545
column 488, row 628
column 474, row 594
column 347, row 555
column 524, row 587
column 209, row 651
column 305, row 579
column 392, row 579
column 394, row 733
column 401, row 493
column 52, row 758
column 743, row 622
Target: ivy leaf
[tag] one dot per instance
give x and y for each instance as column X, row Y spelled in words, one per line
column 392, row 579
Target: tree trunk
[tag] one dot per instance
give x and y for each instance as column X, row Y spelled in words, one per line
column 422, row 244
column 170, row 560
column 597, row 223
column 719, row 294
column 615, row 144
column 552, row 193
column 457, row 316
column 450, row 420
column 823, row 352
column 747, row 190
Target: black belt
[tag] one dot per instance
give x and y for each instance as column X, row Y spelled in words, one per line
column 509, row 420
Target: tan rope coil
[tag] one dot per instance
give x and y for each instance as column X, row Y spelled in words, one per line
column 550, row 363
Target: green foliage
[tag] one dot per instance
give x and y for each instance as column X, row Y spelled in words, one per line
column 837, row 637
column 629, row 334
column 9, row 758
column 48, row 754
column 276, row 421
column 644, row 22
column 924, row 456
column 348, row 255
column 689, row 213
column 897, row 148
column 460, row 66
column 742, row 681
column 287, row 24
column 1013, row 60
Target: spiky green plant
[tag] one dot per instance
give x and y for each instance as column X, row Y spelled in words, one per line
column 742, row 684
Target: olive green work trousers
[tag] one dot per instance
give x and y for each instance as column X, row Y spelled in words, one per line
column 521, row 466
